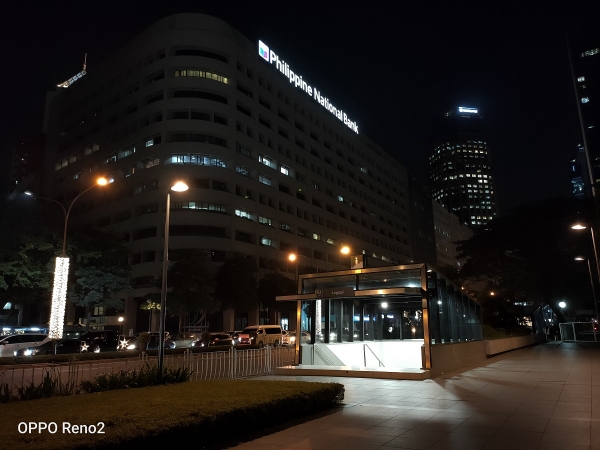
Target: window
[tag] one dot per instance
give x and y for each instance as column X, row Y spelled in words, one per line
column 196, row 137
column 266, row 241
column 151, row 162
column 341, row 198
column 201, row 74
column 242, row 213
column 242, row 170
column 265, row 221
column 244, row 151
column 265, row 180
column 152, row 141
column 206, row 206
column 285, row 226
column 316, row 237
column 585, row 99
column 129, row 150
column 199, row 160
column 266, row 161
column 219, row 186
column 285, row 170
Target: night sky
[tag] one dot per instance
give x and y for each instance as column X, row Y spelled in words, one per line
column 391, row 65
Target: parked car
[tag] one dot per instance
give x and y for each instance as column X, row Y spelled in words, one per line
column 93, row 341
column 235, row 335
column 221, row 339
column 262, row 335
column 185, row 340
column 287, row 338
column 291, row 338
column 46, row 348
column 13, row 343
column 152, row 343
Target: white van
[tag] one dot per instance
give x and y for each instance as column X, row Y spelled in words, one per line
column 10, row 344
column 261, row 335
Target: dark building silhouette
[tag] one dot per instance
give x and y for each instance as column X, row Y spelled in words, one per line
column 584, row 52
column 460, row 167
column 27, row 161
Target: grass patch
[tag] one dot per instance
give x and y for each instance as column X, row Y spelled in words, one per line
column 205, row 412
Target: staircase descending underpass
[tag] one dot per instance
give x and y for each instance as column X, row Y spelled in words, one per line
column 324, row 356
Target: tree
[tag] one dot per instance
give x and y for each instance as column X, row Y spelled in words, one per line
column 100, row 270
column 27, row 251
column 191, row 280
column 236, row 283
column 527, row 255
column 272, row 285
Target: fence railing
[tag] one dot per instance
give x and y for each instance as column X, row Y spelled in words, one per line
column 228, row 364
column 579, row 331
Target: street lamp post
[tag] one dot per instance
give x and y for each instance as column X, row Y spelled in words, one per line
column 179, row 186
column 61, row 269
column 121, row 319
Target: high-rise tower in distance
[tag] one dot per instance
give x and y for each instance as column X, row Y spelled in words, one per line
column 584, row 52
column 459, row 167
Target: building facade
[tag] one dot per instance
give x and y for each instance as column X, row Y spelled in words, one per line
column 584, row 52
column 448, row 232
column 271, row 169
column 460, row 167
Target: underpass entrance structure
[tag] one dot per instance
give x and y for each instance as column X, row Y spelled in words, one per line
column 382, row 319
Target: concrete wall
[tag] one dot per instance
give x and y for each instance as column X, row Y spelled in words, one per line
column 447, row 357
column 497, row 346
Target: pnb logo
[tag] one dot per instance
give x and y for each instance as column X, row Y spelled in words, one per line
column 263, row 50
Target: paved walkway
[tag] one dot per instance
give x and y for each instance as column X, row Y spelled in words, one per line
column 542, row 397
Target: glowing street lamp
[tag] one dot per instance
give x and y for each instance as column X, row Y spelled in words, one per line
column 179, row 186
column 61, row 269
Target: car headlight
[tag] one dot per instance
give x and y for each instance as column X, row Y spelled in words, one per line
column 97, row 350
column 28, row 352
column 131, row 347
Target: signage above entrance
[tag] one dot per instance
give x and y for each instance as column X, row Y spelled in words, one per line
column 271, row 57
column 334, row 292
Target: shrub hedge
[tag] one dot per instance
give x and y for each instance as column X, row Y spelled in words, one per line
column 204, row 412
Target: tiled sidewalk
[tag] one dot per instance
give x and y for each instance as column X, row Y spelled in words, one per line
column 542, row 397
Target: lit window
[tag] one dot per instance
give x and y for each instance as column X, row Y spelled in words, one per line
column 266, row 241
column 341, row 198
column 284, row 170
column 330, row 241
column 585, row 99
column 201, row 74
column 265, row 220
column 242, row 213
column 265, row 180
column 266, row 161
column 242, row 170
column 316, row 237
column 581, row 79
column 149, row 142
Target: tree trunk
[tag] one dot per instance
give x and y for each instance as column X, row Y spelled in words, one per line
column 180, row 319
column 88, row 317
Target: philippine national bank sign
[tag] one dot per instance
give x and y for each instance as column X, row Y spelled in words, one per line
column 282, row 66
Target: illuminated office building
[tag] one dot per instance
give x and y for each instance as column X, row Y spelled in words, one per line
column 273, row 164
column 460, row 168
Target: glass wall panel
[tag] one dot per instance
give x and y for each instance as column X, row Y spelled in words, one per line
column 392, row 279
column 310, row 284
column 460, row 312
column 434, row 304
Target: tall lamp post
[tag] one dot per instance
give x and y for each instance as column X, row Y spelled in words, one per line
column 581, row 258
column 179, row 186
column 61, row 269
column 579, row 226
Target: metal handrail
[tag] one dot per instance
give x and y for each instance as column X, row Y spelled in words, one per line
column 365, row 346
